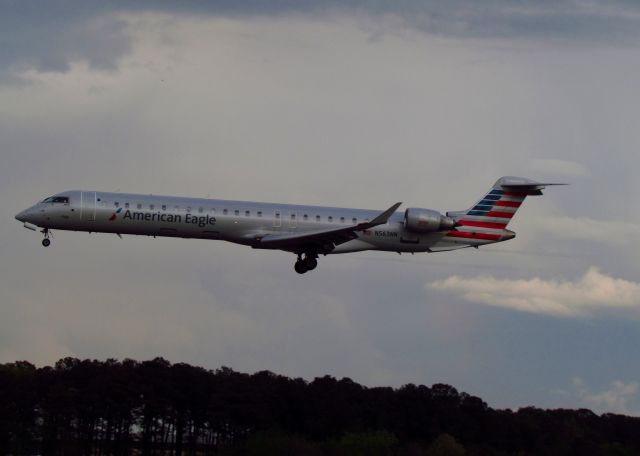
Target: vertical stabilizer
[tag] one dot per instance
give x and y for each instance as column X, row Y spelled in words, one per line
column 487, row 220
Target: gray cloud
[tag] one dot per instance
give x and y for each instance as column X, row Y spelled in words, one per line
column 568, row 19
column 36, row 36
column 296, row 109
column 620, row 397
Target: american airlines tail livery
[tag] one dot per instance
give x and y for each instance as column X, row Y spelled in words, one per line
column 306, row 231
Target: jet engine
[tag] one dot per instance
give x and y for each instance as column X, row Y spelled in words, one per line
column 427, row 221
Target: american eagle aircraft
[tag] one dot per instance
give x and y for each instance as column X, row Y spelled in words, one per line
column 306, row 231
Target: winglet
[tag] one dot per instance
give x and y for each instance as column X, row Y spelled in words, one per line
column 382, row 218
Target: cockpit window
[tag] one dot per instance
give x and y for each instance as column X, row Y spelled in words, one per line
column 57, row 199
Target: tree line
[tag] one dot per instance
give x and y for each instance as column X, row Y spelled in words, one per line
column 90, row 407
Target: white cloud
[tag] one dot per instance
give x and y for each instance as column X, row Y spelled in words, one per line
column 559, row 167
column 617, row 399
column 594, row 291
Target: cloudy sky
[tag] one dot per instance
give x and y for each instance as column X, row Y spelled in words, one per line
column 354, row 103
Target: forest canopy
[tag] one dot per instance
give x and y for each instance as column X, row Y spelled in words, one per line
column 155, row 407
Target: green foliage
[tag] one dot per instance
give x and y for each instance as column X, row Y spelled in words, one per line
column 445, row 445
column 378, row 443
column 617, row 449
column 276, row 443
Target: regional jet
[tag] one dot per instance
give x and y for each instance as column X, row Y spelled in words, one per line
column 306, row 231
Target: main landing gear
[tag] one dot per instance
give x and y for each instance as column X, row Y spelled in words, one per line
column 46, row 241
column 308, row 263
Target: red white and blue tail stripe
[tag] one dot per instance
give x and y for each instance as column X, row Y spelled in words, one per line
column 487, row 220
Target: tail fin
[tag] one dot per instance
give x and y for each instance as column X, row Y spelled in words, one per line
column 496, row 209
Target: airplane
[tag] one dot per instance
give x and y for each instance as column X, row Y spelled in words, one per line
column 306, row 231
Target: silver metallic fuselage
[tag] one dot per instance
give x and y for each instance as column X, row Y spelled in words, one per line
column 241, row 222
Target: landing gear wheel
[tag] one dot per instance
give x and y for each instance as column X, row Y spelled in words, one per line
column 310, row 263
column 300, row 267
column 46, row 241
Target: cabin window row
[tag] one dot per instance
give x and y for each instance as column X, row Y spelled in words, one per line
column 318, row 218
column 236, row 212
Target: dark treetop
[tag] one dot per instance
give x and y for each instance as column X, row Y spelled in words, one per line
column 154, row 407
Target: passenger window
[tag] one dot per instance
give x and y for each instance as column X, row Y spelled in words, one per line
column 305, row 217
column 236, row 212
column 259, row 213
column 188, row 208
column 224, row 211
column 247, row 213
column 293, row 216
column 354, row 220
column 126, row 205
column 330, row 218
column 341, row 219
column 317, row 218
column 213, row 210
column 151, row 206
column 164, row 207
column 139, row 206
column 200, row 210
column 116, row 204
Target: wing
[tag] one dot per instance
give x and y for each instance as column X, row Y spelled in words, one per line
column 323, row 240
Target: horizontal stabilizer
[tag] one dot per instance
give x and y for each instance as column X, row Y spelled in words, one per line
column 522, row 185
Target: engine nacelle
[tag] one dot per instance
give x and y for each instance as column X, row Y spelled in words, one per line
column 426, row 221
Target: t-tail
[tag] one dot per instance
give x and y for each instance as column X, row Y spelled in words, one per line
column 486, row 221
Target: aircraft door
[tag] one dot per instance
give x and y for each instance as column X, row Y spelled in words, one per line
column 88, row 206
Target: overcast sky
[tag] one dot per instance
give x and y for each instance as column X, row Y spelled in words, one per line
column 357, row 104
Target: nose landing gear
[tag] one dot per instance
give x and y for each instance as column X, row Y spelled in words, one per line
column 46, row 242
column 308, row 263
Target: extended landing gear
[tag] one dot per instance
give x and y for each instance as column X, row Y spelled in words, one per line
column 46, row 241
column 299, row 267
column 308, row 263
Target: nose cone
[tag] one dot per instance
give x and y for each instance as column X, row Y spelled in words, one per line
column 22, row 216
column 29, row 215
